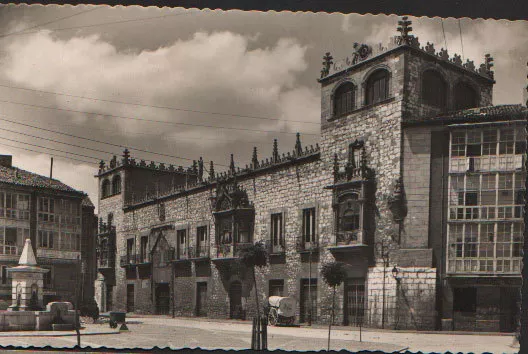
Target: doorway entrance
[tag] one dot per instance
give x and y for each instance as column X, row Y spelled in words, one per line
column 201, row 299
column 130, row 298
column 308, row 291
column 509, row 299
column 354, row 299
column 162, row 293
column 235, row 301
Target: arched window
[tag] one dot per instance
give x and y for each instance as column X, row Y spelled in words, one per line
column 105, row 188
column 465, row 96
column 434, row 89
column 348, row 218
column 344, row 99
column 116, row 184
column 377, row 87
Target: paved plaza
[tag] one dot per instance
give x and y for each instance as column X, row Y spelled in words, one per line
column 149, row 331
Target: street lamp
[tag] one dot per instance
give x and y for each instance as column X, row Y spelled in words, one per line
column 395, row 273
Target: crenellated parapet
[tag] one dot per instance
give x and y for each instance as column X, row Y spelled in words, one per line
column 127, row 161
column 364, row 52
column 276, row 160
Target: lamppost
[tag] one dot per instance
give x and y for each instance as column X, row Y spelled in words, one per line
column 77, row 322
column 396, row 276
column 383, row 249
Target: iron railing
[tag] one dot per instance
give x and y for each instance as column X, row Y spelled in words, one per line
column 106, row 259
column 231, row 250
column 200, row 251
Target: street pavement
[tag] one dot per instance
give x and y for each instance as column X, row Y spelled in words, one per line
column 146, row 332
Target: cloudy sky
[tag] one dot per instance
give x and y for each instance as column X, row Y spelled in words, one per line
column 191, row 83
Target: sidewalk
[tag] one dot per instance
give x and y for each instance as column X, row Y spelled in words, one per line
column 132, row 317
column 88, row 330
column 412, row 341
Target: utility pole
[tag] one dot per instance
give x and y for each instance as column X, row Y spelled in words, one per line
column 310, row 288
column 77, row 322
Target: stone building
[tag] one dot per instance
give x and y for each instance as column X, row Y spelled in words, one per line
column 61, row 225
column 417, row 185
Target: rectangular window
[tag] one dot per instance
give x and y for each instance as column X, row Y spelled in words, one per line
column 202, row 241
column 11, row 236
column 130, row 250
column 181, row 243
column 4, row 275
column 46, row 239
column 46, row 207
column 277, row 233
column 276, row 287
column 308, row 225
column 143, row 248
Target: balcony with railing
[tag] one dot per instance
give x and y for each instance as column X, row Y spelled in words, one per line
column 106, row 260
column 199, row 252
column 275, row 248
column 303, row 246
column 180, row 254
column 128, row 260
column 230, row 250
column 9, row 250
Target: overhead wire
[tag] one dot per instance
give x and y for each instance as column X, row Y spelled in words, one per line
column 23, row 31
column 153, row 120
column 100, row 141
column 48, row 148
column 41, row 152
column 155, row 106
column 110, row 23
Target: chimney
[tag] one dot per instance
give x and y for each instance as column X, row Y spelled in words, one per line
column 6, row 161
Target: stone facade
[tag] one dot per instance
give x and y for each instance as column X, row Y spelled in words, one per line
column 382, row 149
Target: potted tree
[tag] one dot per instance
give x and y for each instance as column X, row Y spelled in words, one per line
column 334, row 274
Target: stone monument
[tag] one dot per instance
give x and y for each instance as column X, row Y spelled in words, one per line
column 27, row 282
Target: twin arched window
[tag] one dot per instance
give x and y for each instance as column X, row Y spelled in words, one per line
column 376, row 90
column 434, row 89
column 108, row 189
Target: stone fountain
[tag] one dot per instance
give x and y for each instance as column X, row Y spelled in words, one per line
column 25, row 313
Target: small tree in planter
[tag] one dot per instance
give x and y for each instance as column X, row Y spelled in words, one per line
column 334, row 274
column 255, row 256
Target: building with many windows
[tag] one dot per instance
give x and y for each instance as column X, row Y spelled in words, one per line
column 417, row 185
column 61, row 224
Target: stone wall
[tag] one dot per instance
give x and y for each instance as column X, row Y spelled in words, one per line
column 416, row 180
column 409, row 301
